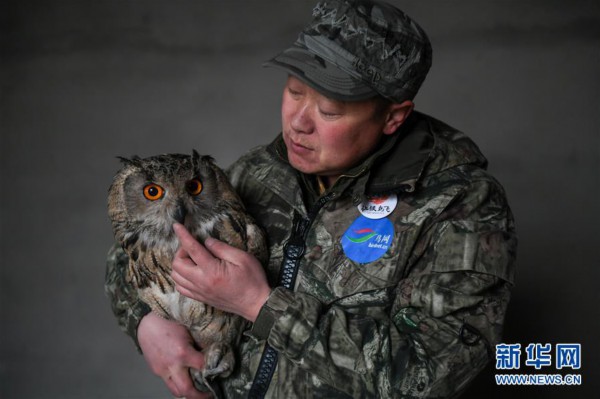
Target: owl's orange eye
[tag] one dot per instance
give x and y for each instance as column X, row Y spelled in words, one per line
column 153, row 192
column 194, row 186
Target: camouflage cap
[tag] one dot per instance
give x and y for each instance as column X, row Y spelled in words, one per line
column 357, row 49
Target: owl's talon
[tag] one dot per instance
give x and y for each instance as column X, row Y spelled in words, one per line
column 219, row 361
column 202, row 384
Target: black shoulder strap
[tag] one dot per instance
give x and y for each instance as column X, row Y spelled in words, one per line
column 293, row 251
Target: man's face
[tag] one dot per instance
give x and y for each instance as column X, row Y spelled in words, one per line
column 324, row 136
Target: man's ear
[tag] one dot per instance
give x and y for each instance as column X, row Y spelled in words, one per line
column 396, row 115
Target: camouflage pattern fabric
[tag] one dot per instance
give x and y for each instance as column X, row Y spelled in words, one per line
column 373, row 42
column 417, row 322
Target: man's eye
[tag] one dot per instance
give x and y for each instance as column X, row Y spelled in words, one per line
column 329, row 114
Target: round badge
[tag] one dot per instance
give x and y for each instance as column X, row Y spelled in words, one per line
column 367, row 240
column 378, row 207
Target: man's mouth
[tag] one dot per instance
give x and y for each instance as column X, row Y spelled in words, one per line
column 297, row 146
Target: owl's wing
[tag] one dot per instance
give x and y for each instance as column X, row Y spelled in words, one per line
column 151, row 274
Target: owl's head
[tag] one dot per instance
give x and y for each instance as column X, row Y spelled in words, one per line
column 148, row 195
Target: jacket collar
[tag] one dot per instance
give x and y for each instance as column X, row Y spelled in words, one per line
column 421, row 146
column 409, row 149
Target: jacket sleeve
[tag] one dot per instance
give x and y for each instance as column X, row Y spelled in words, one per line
column 440, row 321
column 126, row 306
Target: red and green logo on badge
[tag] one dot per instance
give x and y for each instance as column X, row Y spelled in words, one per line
column 369, row 237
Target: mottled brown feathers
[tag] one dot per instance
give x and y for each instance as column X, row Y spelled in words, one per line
column 142, row 218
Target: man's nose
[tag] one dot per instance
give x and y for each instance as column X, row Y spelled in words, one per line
column 302, row 120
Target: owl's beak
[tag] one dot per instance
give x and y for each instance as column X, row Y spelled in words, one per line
column 180, row 213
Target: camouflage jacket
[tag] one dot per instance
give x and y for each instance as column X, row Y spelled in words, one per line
column 407, row 301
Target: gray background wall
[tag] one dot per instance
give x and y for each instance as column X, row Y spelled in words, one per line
column 83, row 82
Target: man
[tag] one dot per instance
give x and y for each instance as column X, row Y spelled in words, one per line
column 391, row 249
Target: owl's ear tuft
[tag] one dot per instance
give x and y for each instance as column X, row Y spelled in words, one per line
column 208, row 158
column 133, row 161
column 197, row 158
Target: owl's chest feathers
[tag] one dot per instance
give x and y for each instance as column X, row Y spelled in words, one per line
column 151, row 254
column 151, row 275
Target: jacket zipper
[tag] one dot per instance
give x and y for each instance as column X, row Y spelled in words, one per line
column 293, row 250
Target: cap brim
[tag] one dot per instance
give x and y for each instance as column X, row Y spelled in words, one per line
column 321, row 75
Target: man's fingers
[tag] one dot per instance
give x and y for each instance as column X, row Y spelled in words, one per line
column 180, row 383
column 182, row 386
column 189, row 247
column 212, row 248
column 226, row 252
column 195, row 360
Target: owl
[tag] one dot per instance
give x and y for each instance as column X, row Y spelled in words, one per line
column 146, row 197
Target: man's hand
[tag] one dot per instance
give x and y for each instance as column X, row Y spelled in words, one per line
column 219, row 275
column 169, row 350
